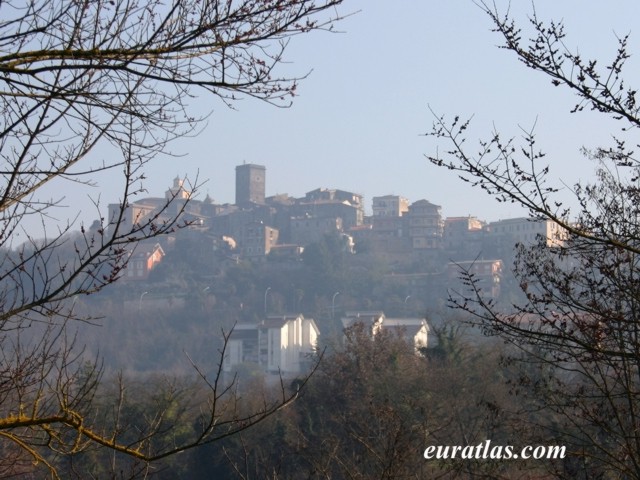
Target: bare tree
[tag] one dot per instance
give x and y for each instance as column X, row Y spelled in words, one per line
column 375, row 404
column 579, row 325
column 118, row 75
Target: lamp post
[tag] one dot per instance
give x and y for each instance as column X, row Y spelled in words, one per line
column 140, row 301
column 333, row 304
column 405, row 303
column 265, row 299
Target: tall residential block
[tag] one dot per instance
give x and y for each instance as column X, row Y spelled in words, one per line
column 425, row 225
column 250, row 184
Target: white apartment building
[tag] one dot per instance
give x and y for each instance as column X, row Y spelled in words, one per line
column 280, row 344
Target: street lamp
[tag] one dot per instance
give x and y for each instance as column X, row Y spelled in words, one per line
column 140, row 301
column 333, row 304
column 265, row 299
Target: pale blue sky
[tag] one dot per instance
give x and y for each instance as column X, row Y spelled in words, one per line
column 358, row 121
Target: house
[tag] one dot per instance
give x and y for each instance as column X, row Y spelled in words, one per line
column 425, row 225
column 142, row 259
column 414, row 330
column 257, row 239
column 331, row 203
column 487, row 275
column 463, row 237
column 280, row 344
column 286, row 253
column 527, row 231
column 373, row 320
column 307, row 229
column 389, row 206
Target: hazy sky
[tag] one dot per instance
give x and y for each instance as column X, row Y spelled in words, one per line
column 359, row 119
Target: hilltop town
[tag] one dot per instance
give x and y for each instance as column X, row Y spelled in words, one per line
column 319, row 335
column 410, row 238
column 264, row 266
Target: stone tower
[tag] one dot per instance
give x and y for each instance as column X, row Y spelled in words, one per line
column 250, row 184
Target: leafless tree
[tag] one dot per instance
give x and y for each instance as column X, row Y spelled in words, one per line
column 116, row 76
column 375, row 404
column 579, row 325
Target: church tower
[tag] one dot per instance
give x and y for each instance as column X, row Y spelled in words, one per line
column 178, row 190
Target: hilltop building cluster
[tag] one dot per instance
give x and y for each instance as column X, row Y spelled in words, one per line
column 411, row 237
column 423, row 253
